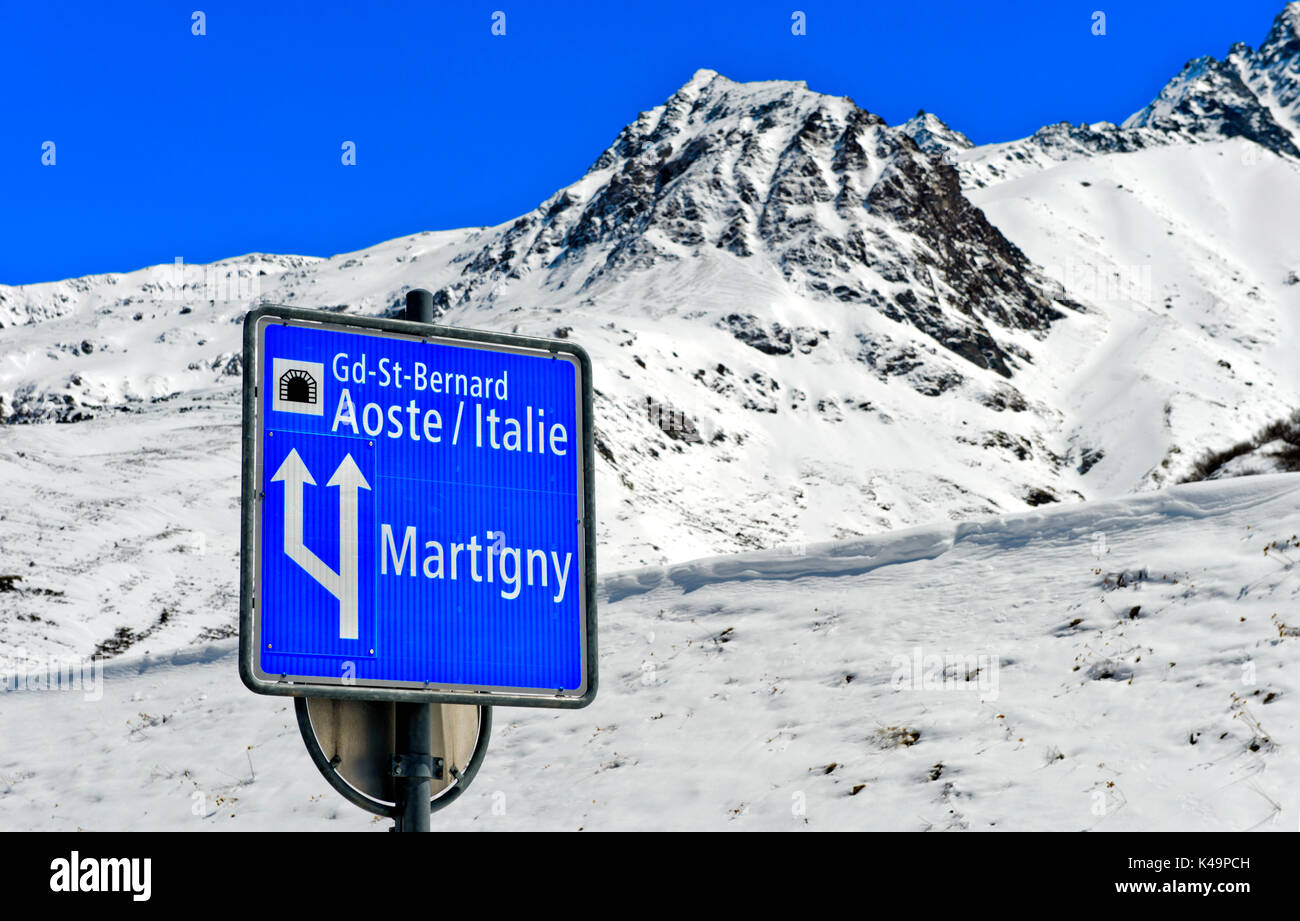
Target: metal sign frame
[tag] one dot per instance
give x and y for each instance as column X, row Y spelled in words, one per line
column 251, row 511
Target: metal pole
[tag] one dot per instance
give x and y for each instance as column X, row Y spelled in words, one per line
column 419, row 305
column 414, row 728
column 414, row 721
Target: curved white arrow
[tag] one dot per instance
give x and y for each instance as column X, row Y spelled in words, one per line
column 344, row 584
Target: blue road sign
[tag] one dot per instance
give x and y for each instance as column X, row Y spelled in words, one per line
column 417, row 519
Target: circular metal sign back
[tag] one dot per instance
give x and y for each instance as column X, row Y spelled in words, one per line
column 352, row 743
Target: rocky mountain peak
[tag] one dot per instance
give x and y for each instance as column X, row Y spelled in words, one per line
column 773, row 178
column 1253, row 94
column 934, row 136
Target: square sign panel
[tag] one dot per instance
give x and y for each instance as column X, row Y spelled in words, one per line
column 417, row 513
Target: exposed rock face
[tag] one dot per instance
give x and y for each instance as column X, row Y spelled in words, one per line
column 1221, row 99
column 773, row 339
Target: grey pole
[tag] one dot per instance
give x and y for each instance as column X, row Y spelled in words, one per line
column 419, row 305
column 414, row 730
column 415, row 721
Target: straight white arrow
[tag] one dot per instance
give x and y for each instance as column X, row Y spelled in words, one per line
column 349, row 480
column 345, row 584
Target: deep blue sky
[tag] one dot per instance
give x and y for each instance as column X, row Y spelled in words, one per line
column 170, row 144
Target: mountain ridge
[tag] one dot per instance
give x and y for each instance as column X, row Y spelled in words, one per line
column 1250, row 93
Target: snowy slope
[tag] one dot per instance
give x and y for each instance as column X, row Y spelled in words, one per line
column 1110, row 666
column 1195, row 325
column 124, row 531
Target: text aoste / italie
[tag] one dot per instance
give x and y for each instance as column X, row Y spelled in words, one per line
column 529, row 433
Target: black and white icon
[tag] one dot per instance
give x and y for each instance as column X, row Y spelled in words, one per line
column 297, row 386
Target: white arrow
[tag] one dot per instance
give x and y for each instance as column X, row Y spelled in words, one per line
column 348, row 479
column 343, row 585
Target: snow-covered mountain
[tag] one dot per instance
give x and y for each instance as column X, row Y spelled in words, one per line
column 778, row 290
column 806, row 324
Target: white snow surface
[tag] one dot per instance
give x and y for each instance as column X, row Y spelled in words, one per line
column 771, row 690
column 1185, row 255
